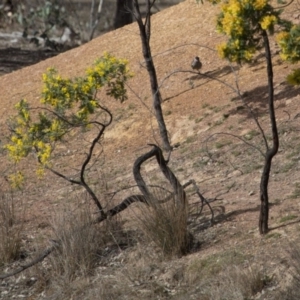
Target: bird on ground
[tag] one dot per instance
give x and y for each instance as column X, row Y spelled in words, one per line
column 196, row 64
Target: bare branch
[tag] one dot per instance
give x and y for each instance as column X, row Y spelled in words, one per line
column 63, row 176
column 178, row 192
column 40, row 258
column 202, row 198
column 237, row 137
column 249, row 109
column 156, row 96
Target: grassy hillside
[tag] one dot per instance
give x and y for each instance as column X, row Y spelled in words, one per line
column 229, row 260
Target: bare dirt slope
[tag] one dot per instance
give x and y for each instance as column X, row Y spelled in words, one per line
column 197, row 109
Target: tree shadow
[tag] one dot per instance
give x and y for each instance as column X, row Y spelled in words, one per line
column 198, row 76
column 257, row 99
column 284, row 225
column 260, row 94
column 222, row 71
column 221, row 216
column 210, row 75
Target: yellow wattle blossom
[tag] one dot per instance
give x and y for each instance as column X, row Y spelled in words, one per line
column 56, row 131
column 20, row 121
column 260, row 4
column 221, row 50
column 231, row 21
column 94, row 103
column 82, row 113
column 44, row 154
column 87, row 88
column 234, row 7
column 282, row 37
column 236, row 44
column 230, row 24
column 248, row 54
column 68, row 103
column 234, row 57
column 18, row 148
column 268, row 21
column 64, row 90
column 16, row 180
column 25, row 114
column 51, row 70
column 40, row 172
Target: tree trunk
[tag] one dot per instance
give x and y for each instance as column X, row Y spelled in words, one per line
column 145, row 32
column 123, row 13
column 271, row 152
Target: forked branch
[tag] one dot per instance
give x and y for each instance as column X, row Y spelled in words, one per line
column 144, row 198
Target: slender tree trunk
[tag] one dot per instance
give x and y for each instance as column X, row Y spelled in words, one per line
column 145, row 32
column 123, row 13
column 271, row 152
column 94, row 23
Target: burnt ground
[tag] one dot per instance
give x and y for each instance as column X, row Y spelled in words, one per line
column 12, row 59
column 17, row 52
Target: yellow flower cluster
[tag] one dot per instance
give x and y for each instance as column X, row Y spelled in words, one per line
column 221, row 48
column 105, row 69
column 242, row 21
column 57, row 91
column 44, row 153
column 260, row 4
column 289, row 42
column 282, row 40
column 17, row 148
column 234, row 52
column 248, row 54
column 231, row 21
column 40, row 172
column 268, row 21
column 68, row 103
column 16, row 180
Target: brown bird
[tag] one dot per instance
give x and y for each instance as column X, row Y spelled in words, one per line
column 196, row 64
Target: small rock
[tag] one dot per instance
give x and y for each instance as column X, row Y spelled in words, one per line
column 4, row 292
column 235, row 173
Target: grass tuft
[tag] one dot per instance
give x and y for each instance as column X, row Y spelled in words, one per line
column 80, row 243
column 165, row 224
column 11, row 228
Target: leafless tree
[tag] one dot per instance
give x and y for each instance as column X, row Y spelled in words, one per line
column 145, row 33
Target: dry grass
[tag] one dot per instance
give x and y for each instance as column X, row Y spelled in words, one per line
column 292, row 291
column 165, row 224
column 235, row 284
column 80, row 243
column 11, row 227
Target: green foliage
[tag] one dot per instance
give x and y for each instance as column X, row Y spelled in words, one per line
column 243, row 21
column 67, row 104
column 294, row 77
column 288, row 41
